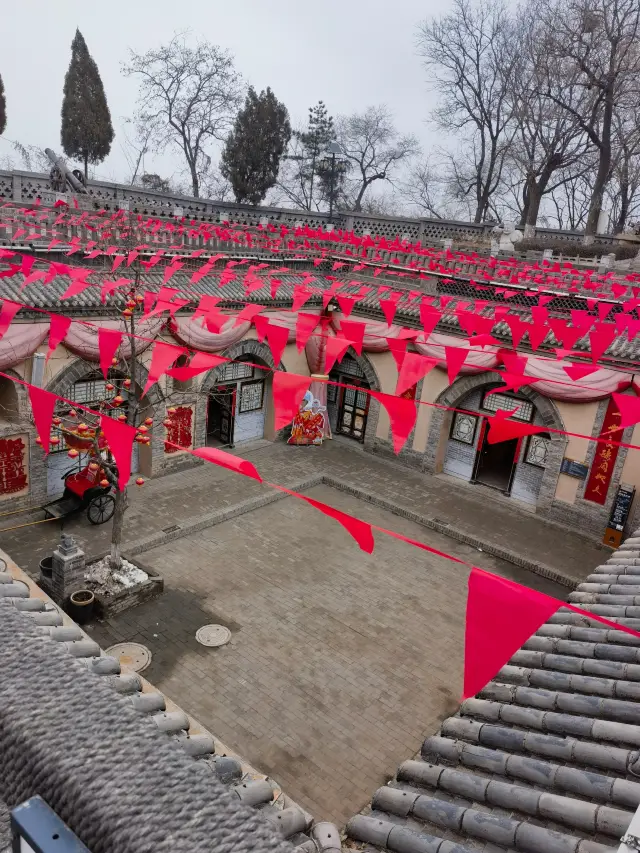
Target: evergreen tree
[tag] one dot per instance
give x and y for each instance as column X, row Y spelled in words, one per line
column 3, row 108
column 315, row 141
column 86, row 131
column 251, row 156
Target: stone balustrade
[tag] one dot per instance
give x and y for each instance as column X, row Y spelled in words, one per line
column 26, row 187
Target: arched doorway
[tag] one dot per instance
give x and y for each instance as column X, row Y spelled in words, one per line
column 348, row 407
column 236, row 404
column 517, row 468
column 90, row 389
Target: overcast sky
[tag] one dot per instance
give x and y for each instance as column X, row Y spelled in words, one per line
column 350, row 53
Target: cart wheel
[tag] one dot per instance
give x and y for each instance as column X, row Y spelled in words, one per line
column 101, row 509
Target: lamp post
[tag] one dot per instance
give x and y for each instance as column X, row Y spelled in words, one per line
column 333, row 150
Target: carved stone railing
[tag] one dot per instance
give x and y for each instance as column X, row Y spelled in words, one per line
column 27, row 187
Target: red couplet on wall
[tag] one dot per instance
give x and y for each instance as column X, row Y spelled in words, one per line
column 605, row 457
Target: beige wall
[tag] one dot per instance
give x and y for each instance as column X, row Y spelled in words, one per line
column 578, row 418
column 434, row 384
column 385, row 367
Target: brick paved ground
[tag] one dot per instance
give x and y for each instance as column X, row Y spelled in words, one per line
column 340, row 663
column 171, row 500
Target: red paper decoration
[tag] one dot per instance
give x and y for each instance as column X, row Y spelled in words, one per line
column 288, row 391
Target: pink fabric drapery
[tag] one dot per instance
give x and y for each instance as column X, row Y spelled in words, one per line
column 20, row 341
column 287, row 319
column 83, row 339
column 595, row 386
column 476, row 361
column 194, row 333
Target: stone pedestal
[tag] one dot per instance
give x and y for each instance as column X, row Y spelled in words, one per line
column 68, row 569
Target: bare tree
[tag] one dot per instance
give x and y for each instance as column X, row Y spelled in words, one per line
column 188, row 95
column 424, row 187
column 598, row 42
column 570, row 200
column 469, row 55
column 623, row 190
column 373, row 149
column 547, row 139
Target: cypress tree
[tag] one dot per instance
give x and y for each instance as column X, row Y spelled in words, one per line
column 252, row 153
column 86, row 131
column 3, row 108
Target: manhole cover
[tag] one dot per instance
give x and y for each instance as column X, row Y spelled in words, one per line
column 213, row 635
column 132, row 656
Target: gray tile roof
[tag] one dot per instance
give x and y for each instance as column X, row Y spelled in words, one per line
column 261, row 793
column 546, row 758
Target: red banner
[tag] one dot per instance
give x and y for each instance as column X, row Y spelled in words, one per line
column 605, row 457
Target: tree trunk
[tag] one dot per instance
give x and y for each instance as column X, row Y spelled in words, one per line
column 625, row 199
column 604, row 169
column 86, row 168
column 195, row 183
column 118, row 525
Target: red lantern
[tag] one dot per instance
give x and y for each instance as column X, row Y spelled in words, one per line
column 131, row 303
column 82, row 427
column 57, row 421
column 171, row 411
column 117, row 400
column 38, row 440
column 109, row 386
column 142, row 428
column 122, row 417
column 54, row 440
column 139, row 481
column 127, row 383
column 148, row 421
column 93, row 466
column 114, row 361
column 73, row 413
column 167, row 423
column 104, row 483
column 73, row 453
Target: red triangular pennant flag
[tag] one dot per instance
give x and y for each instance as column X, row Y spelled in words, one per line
column 455, row 357
column 414, row 368
column 402, row 416
column 501, row 616
column 42, row 405
column 503, row 429
column 518, row 328
column 248, row 313
column 354, row 333
column 120, row 439
column 301, row 294
column 305, row 325
column 629, row 408
column 108, row 342
column 346, row 304
column 288, row 391
column 360, row 530
column 57, row 332
column 388, row 308
column 277, row 337
column 601, row 339
column 9, row 311
column 200, row 362
column 227, row 460
column 579, row 371
column 162, row 358
column 398, row 348
column 429, row 317
column 335, row 348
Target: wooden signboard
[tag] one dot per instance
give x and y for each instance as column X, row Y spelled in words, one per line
column 619, row 515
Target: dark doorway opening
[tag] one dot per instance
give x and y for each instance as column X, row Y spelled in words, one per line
column 496, row 463
column 220, row 416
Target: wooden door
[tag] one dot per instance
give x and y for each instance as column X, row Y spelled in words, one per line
column 354, row 409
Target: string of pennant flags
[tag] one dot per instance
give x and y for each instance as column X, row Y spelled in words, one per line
column 490, row 640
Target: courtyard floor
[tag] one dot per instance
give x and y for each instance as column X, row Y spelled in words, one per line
column 340, row 662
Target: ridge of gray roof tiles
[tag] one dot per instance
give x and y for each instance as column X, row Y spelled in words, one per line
column 546, row 758
column 80, row 691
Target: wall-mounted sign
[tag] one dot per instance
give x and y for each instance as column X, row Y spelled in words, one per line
column 574, row 469
column 619, row 515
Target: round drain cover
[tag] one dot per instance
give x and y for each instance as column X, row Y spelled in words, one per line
column 132, row 656
column 213, row 635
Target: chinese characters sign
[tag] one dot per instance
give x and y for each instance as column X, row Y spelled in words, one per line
column 180, row 430
column 13, row 476
column 605, row 457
